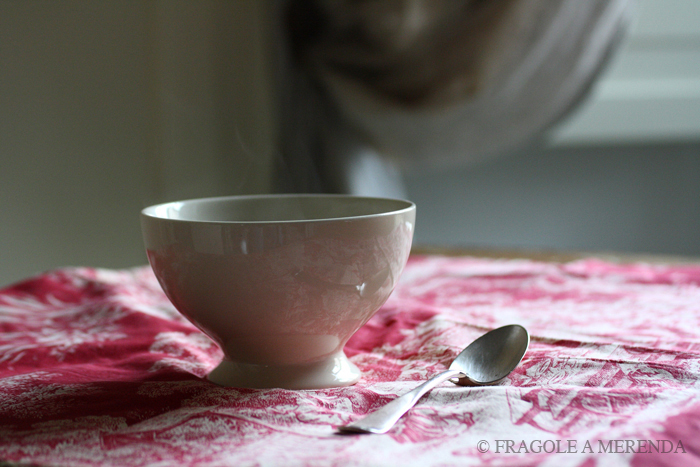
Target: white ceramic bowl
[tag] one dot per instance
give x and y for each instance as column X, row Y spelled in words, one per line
column 280, row 282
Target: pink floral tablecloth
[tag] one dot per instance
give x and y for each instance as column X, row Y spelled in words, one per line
column 97, row 368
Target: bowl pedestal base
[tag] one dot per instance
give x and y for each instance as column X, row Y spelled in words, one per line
column 333, row 371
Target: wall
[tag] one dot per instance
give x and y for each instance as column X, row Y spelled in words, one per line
column 651, row 90
column 621, row 174
column 108, row 107
column 627, row 198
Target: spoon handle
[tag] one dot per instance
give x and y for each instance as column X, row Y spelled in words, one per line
column 381, row 421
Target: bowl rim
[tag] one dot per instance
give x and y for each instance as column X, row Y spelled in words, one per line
column 150, row 211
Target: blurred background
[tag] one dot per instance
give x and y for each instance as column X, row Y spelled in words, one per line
column 108, row 107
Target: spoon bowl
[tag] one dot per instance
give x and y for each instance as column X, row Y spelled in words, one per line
column 486, row 361
column 492, row 357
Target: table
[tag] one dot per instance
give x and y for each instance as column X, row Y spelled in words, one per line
column 97, row 368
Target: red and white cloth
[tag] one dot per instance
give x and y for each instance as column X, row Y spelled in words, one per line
column 97, row 368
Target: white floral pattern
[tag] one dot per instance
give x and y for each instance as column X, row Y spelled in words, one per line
column 97, row 368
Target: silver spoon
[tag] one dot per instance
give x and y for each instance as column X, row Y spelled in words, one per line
column 485, row 361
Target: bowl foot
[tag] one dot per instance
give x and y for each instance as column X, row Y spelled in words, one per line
column 334, row 371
